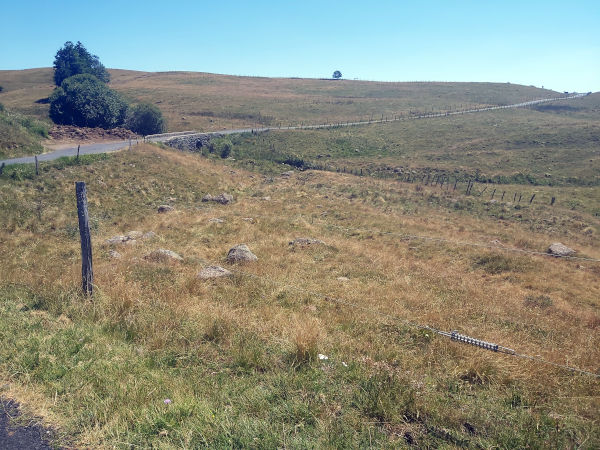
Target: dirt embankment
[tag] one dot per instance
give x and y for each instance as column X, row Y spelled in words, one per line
column 63, row 134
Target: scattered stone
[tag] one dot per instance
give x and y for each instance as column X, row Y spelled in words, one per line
column 303, row 242
column 216, row 220
column 287, row 174
column 134, row 235
column 558, row 249
column 130, row 237
column 493, row 201
column 116, row 240
column 343, row 279
column 162, row 209
column 162, row 255
column 496, row 242
column 248, row 219
column 322, row 357
column 241, row 253
column 267, row 198
column 223, row 198
column 213, row 272
column 114, row 254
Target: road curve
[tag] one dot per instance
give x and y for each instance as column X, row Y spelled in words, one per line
column 88, row 149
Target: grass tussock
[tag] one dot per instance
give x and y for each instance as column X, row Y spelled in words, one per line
column 238, row 356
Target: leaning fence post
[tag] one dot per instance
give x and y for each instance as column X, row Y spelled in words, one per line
column 87, row 273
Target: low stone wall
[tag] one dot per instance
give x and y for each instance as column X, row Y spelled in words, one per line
column 192, row 142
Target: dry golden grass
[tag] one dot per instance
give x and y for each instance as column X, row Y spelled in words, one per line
column 286, row 301
column 204, row 101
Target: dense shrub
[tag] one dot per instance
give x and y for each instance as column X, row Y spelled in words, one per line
column 145, row 119
column 224, row 147
column 85, row 101
column 74, row 59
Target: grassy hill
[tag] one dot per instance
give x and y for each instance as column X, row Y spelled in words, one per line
column 238, row 357
column 509, row 146
column 202, row 101
column 20, row 134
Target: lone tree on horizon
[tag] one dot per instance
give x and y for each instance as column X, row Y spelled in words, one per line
column 74, row 59
column 337, row 75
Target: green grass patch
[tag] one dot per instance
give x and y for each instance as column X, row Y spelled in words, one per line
column 498, row 263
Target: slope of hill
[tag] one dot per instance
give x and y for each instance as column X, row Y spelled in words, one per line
column 20, row 134
column 202, row 101
column 162, row 358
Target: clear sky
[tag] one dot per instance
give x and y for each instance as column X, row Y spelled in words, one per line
column 555, row 44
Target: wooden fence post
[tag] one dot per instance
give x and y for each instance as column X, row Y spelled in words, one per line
column 552, row 201
column 78, row 146
column 87, row 272
column 37, row 166
column 2, row 168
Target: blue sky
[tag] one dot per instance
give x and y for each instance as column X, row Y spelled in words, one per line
column 543, row 43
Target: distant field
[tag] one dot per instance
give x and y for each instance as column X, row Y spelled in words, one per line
column 202, row 101
column 238, row 358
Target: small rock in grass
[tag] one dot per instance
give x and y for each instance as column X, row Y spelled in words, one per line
column 343, row 279
column 149, row 235
column 116, row 240
column 114, row 254
column 216, row 220
column 558, row 249
column 223, row 198
column 134, row 235
column 302, row 242
column 163, row 255
column 162, row 209
column 287, row 174
column 213, row 272
column 240, row 253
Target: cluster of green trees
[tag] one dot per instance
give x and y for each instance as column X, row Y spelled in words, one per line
column 83, row 98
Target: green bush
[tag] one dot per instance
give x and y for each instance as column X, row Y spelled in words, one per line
column 85, row 101
column 74, row 59
column 223, row 147
column 145, row 119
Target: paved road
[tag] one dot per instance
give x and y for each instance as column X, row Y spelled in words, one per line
column 19, row 437
column 106, row 147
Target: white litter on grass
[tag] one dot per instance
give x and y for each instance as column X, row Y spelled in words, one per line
column 322, row 357
column 344, row 364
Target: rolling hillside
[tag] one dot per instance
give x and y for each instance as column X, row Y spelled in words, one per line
column 202, row 101
column 163, row 358
column 339, row 339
